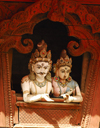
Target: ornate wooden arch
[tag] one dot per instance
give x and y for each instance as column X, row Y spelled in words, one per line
column 80, row 23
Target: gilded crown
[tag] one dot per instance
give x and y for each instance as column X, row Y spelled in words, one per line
column 63, row 61
column 41, row 54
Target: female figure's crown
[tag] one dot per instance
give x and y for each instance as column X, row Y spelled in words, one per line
column 63, row 61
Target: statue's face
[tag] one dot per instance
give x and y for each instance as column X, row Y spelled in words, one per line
column 41, row 68
column 63, row 72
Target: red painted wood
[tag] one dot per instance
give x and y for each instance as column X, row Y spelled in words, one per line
column 95, row 118
column 20, row 0
column 47, row 105
column 8, row 9
column 2, row 105
column 87, row 1
column 81, row 24
column 79, row 1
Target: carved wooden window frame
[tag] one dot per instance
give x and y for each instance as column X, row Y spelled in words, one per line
column 79, row 22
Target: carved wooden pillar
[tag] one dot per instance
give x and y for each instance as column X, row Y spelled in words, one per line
column 85, row 66
column 95, row 110
column 6, row 98
column 2, row 102
column 91, row 111
column 7, row 103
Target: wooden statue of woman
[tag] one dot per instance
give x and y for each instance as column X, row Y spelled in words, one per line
column 63, row 85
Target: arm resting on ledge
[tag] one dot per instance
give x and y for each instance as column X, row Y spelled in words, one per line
column 77, row 98
column 29, row 98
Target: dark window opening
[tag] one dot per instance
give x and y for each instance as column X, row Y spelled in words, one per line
column 56, row 36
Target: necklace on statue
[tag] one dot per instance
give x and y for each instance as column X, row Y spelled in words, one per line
column 40, row 84
column 60, row 83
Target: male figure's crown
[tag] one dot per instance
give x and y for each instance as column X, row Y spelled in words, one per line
column 40, row 53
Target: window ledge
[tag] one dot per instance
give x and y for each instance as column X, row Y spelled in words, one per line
column 57, row 104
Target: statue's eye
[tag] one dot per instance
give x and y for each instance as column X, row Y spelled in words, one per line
column 39, row 67
column 68, row 71
column 45, row 67
column 63, row 71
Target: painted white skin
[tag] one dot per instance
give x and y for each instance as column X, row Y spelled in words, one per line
column 63, row 73
column 77, row 98
column 40, row 69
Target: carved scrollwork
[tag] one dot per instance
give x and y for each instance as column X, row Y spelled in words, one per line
column 27, row 42
column 23, row 47
column 75, row 49
column 17, row 19
column 33, row 10
column 55, row 13
column 57, row 10
column 46, row 5
column 91, row 19
column 4, row 27
column 68, row 7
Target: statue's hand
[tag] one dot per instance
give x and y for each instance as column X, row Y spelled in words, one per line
column 67, row 98
column 47, row 98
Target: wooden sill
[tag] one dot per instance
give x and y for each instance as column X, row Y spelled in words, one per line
column 48, row 105
column 57, row 104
